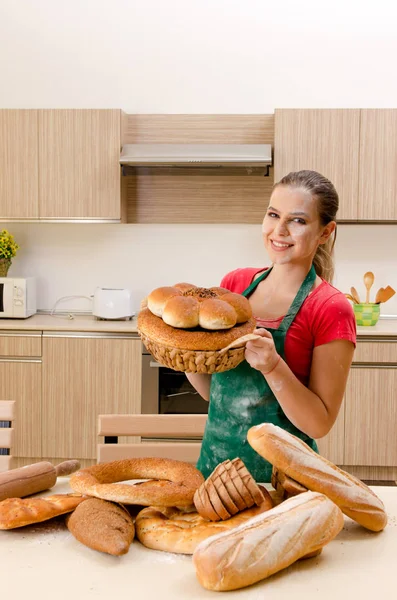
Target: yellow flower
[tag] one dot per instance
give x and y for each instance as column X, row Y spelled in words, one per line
column 8, row 246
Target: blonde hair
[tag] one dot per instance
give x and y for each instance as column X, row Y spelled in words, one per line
column 324, row 192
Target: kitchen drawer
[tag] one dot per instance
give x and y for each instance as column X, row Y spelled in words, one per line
column 376, row 352
column 20, row 343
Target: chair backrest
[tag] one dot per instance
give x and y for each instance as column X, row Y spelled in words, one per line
column 166, row 436
column 7, row 417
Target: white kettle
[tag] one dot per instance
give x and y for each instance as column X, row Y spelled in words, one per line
column 112, row 303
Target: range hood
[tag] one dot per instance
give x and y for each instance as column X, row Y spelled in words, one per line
column 198, row 156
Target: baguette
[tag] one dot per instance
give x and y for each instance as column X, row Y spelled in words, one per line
column 298, row 461
column 103, row 526
column 17, row 512
column 267, row 543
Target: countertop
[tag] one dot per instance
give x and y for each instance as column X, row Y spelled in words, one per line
column 43, row 322
column 46, row 561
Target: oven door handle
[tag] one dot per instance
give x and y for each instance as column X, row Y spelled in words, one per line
column 155, row 364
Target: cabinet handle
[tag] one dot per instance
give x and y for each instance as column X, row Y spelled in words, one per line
column 20, row 360
column 155, row 364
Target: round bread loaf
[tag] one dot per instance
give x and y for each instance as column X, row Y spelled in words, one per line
column 185, row 339
column 186, row 306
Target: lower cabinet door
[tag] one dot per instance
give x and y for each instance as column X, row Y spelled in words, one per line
column 84, row 377
column 20, row 380
column 371, row 416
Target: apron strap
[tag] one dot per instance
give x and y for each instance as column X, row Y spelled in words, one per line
column 300, row 297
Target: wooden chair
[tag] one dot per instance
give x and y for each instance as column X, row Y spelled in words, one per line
column 166, row 436
column 7, row 416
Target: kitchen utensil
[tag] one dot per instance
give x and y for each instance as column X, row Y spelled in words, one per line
column 112, row 303
column 369, row 279
column 31, row 479
column 355, row 295
column 241, row 341
column 366, row 314
column 384, row 294
column 350, row 297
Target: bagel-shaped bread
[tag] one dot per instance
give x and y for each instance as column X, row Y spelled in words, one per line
column 227, row 308
column 182, row 312
column 157, row 299
column 216, row 314
column 154, row 328
column 175, row 481
column 240, row 304
column 173, row 530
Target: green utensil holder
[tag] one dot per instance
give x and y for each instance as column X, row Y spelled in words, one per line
column 366, row 314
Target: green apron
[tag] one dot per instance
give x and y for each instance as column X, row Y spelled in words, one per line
column 241, row 398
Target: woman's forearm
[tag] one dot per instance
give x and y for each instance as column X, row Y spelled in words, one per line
column 201, row 383
column 302, row 407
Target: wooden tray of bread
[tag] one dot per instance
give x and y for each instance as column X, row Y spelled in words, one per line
column 196, row 330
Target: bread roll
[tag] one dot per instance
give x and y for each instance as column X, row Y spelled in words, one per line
column 240, row 304
column 157, row 299
column 182, row 312
column 298, row 461
column 103, row 526
column 216, row 314
column 267, row 543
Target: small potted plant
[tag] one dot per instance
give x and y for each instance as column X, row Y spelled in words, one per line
column 8, row 249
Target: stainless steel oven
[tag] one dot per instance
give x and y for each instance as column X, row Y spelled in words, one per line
column 165, row 391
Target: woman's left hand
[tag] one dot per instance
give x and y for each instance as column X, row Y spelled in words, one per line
column 261, row 354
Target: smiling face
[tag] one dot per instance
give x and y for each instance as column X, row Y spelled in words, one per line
column 291, row 227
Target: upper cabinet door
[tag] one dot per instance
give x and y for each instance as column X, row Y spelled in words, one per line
column 323, row 140
column 378, row 165
column 79, row 171
column 18, row 164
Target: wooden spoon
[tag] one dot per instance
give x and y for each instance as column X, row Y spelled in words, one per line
column 369, row 279
column 355, row 295
column 350, row 297
column 384, row 294
column 241, row 341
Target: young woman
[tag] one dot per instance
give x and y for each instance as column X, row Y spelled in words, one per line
column 295, row 375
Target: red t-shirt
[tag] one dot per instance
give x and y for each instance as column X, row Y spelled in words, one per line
column 324, row 316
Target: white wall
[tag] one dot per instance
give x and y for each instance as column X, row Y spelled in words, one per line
column 185, row 56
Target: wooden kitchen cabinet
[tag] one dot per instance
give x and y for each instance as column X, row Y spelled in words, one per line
column 371, row 416
column 19, row 195
column 378, row 160
column 323, row 140
column 20, row 380
column 79, row 171
column 85, row 375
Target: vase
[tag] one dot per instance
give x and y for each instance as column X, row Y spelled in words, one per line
column 5, row 264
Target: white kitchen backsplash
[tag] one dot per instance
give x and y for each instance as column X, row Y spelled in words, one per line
column 73, row 259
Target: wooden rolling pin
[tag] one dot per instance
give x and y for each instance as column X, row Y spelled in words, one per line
column 31, row 479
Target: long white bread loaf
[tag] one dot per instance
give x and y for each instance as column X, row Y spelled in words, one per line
column 297, row 460
column 267, row 543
